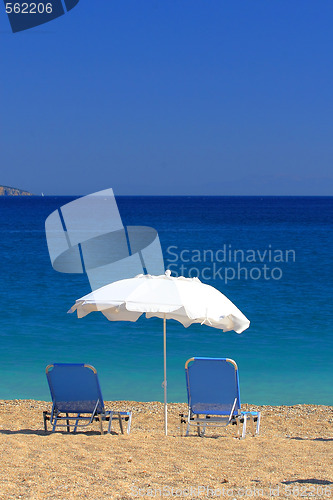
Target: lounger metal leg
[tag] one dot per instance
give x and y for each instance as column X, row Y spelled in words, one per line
column 100, row 423
column 188, row 424
column 244, row 426
column 258, row 423
column 110, row 422
column 76, row 422
column 203, row 430
column 120, row 423
column 67, row 422
column 54, row 424
column 129, row 423
column 45, row 420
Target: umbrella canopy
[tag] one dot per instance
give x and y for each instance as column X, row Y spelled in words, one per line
column 186, row 300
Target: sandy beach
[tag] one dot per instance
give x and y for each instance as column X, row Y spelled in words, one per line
column 291, row 458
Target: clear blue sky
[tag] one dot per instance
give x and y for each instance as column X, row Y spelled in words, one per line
column 171, row 97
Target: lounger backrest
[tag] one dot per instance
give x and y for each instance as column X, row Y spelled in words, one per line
column 74, row 388
column 212, row 386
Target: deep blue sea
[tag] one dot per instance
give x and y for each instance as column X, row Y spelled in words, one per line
column 285, row 357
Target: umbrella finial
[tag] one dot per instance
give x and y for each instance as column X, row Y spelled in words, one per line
column 168, row 273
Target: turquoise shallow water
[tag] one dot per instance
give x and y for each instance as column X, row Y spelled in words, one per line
column 285, row 357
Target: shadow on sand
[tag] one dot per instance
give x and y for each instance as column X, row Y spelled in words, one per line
column 310, row 439
column 49, row 433
column 309, row 481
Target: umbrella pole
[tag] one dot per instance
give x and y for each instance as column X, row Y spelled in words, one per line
column 165, row 380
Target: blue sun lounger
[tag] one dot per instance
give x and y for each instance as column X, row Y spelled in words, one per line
column 213, row 396
column 77, row 399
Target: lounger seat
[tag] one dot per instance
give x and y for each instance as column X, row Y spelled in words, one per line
column 77, row 399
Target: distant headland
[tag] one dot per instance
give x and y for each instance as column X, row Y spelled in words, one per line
column 10, row 191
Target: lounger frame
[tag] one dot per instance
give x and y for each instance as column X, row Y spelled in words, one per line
column 77, row 420
column 235, row 417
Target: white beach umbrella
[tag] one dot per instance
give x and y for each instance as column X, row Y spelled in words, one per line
column 186, row 300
